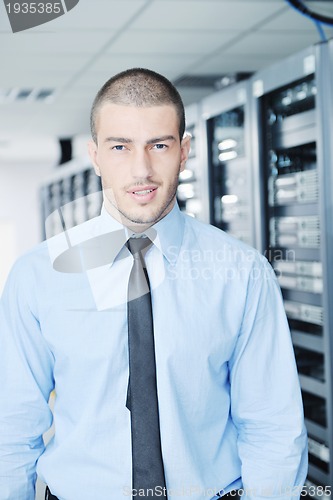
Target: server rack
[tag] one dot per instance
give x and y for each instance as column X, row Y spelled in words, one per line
column 72, row 195
column 228, row 148
column 295, row 178
column 192, row 192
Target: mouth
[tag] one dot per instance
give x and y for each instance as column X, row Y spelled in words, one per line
column 143, row 193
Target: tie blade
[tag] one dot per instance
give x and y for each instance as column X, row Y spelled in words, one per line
column 136, row 293
column 148, row 468
column 138, row 281
column 128, row 397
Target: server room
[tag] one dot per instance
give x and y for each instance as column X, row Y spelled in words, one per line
column 251, row 175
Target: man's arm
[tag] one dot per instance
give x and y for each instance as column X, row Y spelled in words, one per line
column 26, row 382
column 266, row 404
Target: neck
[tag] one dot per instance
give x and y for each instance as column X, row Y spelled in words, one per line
column 135, row 227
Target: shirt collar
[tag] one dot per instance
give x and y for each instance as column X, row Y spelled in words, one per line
column 98, row 241
column 170, row 231
column 166, row 234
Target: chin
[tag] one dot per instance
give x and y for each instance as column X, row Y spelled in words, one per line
column 144, row 216
column 143, row 219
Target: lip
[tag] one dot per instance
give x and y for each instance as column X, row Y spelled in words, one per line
column 143, row 198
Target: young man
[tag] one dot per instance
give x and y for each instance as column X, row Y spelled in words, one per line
column 192, row 393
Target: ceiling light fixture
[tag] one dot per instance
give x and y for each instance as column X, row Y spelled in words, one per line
column 26, row 94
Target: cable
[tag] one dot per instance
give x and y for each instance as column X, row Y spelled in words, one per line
column 318, row 19
column 303, row 9
column 320, row 31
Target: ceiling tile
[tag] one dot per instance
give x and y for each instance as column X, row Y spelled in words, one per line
column 22, row 64
column 52, row 79
column 173, row 37
column 52, row 43
column 292, row 20
column 170, row 42
column 76, row 98
column 170, row 65
column 105, row 14
column 223, row 63
column 273, row 44
column 208, row 14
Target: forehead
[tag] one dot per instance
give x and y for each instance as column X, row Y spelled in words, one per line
column 117, row 117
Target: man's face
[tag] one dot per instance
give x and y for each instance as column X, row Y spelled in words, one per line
column 138, row 156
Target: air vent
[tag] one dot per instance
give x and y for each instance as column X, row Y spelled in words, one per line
column 214, row 81
column 23, row 94
column 17, row 94
column 44, row 94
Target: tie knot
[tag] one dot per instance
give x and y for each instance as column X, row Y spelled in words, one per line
column 137, row 245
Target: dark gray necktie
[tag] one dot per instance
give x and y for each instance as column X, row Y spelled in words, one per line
column 147, row 462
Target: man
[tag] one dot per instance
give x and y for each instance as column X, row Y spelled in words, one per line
column 226, row 411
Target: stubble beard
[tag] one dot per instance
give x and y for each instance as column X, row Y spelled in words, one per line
column 131, row 218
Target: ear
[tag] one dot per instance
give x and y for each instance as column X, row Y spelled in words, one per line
column 92, row 150
column 185, row 147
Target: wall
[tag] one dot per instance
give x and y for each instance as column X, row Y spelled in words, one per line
column 20, row 222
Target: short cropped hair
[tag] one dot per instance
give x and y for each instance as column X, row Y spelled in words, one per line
column 138, row 87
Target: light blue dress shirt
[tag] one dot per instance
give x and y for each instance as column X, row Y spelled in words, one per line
column 229, row 398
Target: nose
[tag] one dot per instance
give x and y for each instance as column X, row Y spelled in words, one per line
column 141, row 167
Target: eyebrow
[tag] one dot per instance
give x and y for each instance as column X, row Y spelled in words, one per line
column 161, row 139
column 155, row 140
column 123, row 140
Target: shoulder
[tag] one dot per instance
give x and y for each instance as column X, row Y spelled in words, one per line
column 224, row 259
column 36, row 264
column 205, row 237
column 26, row 261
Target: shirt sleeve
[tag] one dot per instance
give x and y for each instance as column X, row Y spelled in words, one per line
column 266, row 403
column 26, row 382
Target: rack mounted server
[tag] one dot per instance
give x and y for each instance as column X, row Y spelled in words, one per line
column 226, row 115
column 292, row 168
column 192, row 192
column 72, row 195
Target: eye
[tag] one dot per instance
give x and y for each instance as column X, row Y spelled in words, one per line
column 118, row 147
column 160, row 146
